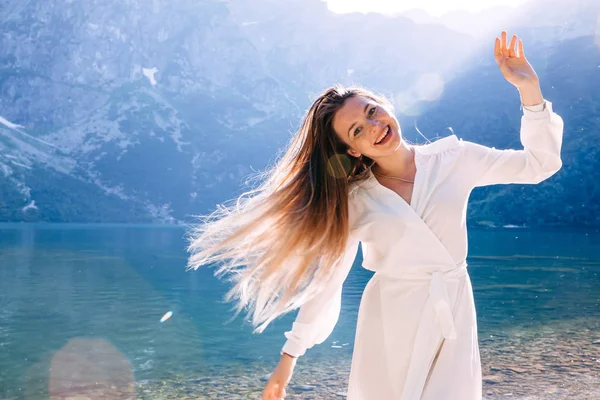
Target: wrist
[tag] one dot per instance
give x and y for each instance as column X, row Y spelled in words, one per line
column 288, row 357
column 531, row 93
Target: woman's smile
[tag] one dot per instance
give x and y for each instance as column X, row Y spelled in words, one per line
column 384, row 136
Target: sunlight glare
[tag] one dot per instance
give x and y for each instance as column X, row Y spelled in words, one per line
column 429, row 87
column 405, row 103
column 436, row 8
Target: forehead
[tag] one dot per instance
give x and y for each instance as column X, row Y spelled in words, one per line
column 352, row 110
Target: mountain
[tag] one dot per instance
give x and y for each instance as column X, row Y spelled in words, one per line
column 43, row 184
column 153, row 111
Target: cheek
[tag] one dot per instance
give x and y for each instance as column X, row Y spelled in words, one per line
column 363, row 146
column 396, row 126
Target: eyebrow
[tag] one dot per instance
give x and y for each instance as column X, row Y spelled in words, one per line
column 354, row 123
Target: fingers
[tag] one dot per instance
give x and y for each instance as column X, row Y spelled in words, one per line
column 274, row 392
column 280, row 392
column 497, row 51
column 521, row 52
column 514, row 49
column 503, row 44
column 268, row 393
column 511, row 47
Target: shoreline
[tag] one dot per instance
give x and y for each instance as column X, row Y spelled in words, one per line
column 553, row 362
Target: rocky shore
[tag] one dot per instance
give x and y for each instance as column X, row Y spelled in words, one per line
column 551, row 362
column 561, row 361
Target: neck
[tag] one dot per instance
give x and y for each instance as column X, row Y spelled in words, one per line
column 399, row 164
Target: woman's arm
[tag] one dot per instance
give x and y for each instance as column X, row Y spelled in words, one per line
column 541, row 129
column 541, row 136
column 318, row 316
column 314, row 323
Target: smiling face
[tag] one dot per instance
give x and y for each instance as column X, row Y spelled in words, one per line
column 367, row 127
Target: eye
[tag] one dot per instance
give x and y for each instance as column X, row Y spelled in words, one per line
column 357, row 130
column 372, row 111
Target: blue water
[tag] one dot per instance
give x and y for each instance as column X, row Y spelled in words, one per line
column 114, row 283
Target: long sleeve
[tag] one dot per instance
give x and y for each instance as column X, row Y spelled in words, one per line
column 319, row 315
column 541, row 137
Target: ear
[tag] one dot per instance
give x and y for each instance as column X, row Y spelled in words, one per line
column 353, row 153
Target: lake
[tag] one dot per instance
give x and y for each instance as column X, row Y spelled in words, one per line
column 80, row 311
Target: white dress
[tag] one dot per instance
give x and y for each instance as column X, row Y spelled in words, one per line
column 416, row 336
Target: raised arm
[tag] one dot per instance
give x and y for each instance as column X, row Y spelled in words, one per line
column 541, row 129
column 541, row 137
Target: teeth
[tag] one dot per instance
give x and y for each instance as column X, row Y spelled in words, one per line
column 380, row 138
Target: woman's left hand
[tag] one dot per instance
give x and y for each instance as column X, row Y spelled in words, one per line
column 513, row 63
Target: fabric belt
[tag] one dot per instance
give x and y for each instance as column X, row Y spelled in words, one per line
column 438, row 293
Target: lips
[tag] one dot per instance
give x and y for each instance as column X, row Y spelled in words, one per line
column 383, row 135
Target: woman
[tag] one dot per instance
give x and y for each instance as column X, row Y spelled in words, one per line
column 347, row 177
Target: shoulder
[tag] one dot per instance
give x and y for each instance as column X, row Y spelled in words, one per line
column 354, row 195
column 440, row 146
column 358, row 207
column 354, row 188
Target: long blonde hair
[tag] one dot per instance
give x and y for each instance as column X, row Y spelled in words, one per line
column 278, row 243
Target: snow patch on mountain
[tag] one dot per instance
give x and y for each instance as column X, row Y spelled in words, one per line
column 9, row 124
column 149, row 73
column 30, row 206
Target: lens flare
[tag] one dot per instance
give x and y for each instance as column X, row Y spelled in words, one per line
column 407, row 103
column 339, row 165
column 90, row 369
column 429, row 87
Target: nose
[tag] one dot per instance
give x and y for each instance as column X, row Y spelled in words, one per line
column 375, row 123
column 375, row 126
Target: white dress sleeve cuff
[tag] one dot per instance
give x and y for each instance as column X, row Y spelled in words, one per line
column 537, row 111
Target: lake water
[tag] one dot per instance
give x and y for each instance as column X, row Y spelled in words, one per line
column 80, row 310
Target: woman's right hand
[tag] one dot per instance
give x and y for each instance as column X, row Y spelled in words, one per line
column 280, row 377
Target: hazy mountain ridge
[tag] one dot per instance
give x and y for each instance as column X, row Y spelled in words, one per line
column 153, row 111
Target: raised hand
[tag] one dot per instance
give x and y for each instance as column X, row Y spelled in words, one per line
column 513, row 63
column 517, row 70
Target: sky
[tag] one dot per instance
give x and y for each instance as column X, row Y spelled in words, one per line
column 433, row 7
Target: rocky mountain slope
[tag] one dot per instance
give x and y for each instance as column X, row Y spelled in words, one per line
column 152, row 111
